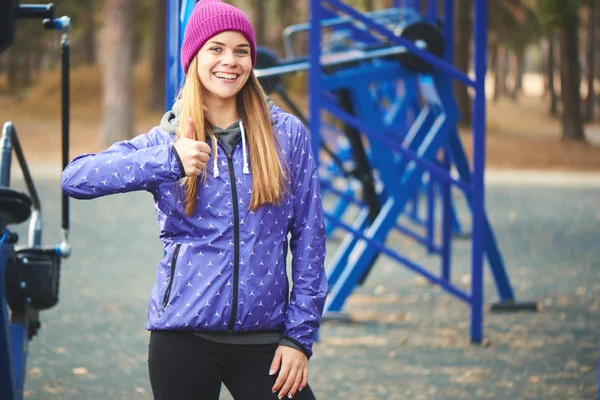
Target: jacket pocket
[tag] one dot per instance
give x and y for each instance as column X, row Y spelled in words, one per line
column 173, row 265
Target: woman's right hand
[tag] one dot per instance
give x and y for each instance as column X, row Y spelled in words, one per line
column 193, row 153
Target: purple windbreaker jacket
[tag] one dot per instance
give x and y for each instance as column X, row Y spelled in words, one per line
column 224, row 268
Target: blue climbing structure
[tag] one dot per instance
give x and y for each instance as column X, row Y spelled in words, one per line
column 383, row 121
column 401, row 159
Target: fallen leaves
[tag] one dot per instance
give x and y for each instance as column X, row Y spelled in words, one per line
column 80, row 371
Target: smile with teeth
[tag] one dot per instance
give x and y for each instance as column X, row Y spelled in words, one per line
column 225, row 76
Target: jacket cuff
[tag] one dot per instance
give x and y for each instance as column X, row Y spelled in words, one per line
column 179, row 163
column 294, row 344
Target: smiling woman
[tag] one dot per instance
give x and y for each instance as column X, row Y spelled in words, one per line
column 221, row 310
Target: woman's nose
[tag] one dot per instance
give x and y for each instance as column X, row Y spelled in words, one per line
column 228, row 58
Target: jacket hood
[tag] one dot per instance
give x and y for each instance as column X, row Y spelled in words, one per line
column 170, row 120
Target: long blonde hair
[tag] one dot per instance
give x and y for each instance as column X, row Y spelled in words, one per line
column 268, row 176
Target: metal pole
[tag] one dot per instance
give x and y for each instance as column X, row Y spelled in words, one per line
column 430, row 223
column 446, row 188
column 172, row 54
column 479, row 115
column 432, row 11
column 66, row 101
column 314, row 74
column 449, row 30
column 6, row 154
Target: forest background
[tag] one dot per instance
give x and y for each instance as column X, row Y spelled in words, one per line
column 543, row 75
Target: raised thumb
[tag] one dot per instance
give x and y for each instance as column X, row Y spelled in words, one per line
column 190, row 129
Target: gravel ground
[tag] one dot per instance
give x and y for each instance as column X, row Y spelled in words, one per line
column 408, row 339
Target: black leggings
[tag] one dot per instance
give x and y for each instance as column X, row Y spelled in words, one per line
column 185, row 366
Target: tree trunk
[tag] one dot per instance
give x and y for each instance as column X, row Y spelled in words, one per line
column 21, row 57
column 462, row 57
column 551, row 74
column 494, row 51
column 260, row 22
column 506, row 67
column 367, row 5
column 89, row 33
column 501, row 71
column 117, row 122
column 520, row 59
column 590, row 101
column 570, row 76
column 156, row 100
column 286, row 10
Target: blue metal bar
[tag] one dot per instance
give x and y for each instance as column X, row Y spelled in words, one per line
column 7, row 361
column 449, row 30
column 442, row 65
column 187, row 6
column 413, row 211
column 434, row 169
column 314, row 74
column 432, row 11
column 495, row 260
column 430, row 225
column 362, row 253
column 172, row 54
column 334, row 59
column 402, row 229
column 383, row 71
column 20, row 344
column 446, row 221
column 417, row 238
column 344, row 195
column 478, row 194
column 397, row 257
column 340, row 261
column 447, row 189
column 339, row 210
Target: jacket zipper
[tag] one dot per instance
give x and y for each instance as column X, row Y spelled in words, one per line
column 236, row 240
column 168, row 291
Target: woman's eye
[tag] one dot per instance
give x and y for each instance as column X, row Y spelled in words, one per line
column 216, row 49
column 242, row 51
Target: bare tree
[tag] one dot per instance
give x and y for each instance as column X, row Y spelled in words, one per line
column 590, row 101
column 117, row 57
column 462, row 56
column 550, row 69
column 570, row 72
column 367, row 5
column 89, row 31
column 260, row 22
column 519, row 72
column 157, row 67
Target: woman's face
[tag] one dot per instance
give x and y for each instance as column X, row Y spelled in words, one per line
column 224, row 64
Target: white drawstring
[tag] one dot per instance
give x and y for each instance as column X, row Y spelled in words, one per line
column 246, row 170
column 216, row 157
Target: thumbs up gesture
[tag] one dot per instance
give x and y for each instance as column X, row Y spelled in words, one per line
column 194, row 154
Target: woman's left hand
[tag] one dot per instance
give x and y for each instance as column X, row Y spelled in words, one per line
column 292, row 365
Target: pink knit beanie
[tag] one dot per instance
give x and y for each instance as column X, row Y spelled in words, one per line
column 209, row 18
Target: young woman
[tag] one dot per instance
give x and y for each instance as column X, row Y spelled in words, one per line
column 235, row 186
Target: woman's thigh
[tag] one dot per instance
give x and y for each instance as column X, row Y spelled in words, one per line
column 183, row 366
column 247, row 374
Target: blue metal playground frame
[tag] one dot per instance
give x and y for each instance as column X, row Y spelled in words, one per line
column 435, row 85
column 477, row 188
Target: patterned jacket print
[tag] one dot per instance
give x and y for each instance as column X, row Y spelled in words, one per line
column 224, row 268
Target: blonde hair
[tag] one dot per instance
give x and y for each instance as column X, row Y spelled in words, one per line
column 268, row 175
